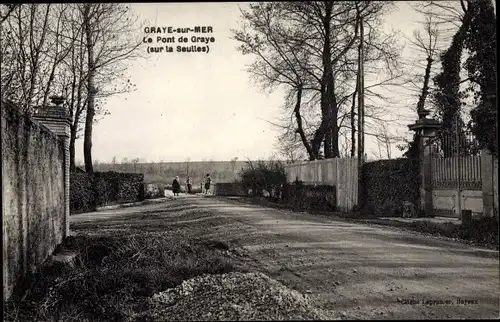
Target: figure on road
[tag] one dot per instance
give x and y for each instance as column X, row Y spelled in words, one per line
column 176, row 186
column 208, row 181
column 189, row 185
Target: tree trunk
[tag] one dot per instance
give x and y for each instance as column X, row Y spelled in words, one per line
column 361, row 107
column 89, row 120
column 324, row 132
column 328, row 96
column 334, row 127
column 425, row 87
column 356, row 90
column 319, row 134
column 361, row 147
column 300, row 128
column 353, row 118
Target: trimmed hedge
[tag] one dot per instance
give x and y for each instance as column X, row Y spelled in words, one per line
column 89, row 191
column 387, row 183
column 233, row 189
column 81, row 193
column 263, row 176
column 306, row 197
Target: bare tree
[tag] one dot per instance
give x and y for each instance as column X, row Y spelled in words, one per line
column 45, row 53
column 73, row 82
column 26, row 31
column 448, row 15
column 61, row 41
column 107, row 28
column 309, row 47
column 6, row 10
column 278, row 59
column 386, row 141
column 289, row 147
column 442, row 19
column 425, row 48
column 38, row 39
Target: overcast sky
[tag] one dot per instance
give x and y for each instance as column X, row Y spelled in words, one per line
column 200, row 106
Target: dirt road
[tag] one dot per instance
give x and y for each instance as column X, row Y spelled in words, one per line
column 354, row 271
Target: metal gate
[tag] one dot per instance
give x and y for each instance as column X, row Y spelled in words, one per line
column 455, row 173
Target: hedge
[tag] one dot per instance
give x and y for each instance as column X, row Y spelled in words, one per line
column 306, row 197
column 387, row 183
column 233, row 189
column 263, row 176
column 89, row 191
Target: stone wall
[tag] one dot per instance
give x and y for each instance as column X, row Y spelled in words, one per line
column 33, row 193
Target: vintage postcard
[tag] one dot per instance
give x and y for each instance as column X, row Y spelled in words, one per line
column 284, row 160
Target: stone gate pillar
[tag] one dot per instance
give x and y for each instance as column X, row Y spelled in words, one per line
column 57, row 119
column 487, row 182
column 425, row 129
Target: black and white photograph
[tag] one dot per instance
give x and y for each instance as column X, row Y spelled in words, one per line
column 249, row 161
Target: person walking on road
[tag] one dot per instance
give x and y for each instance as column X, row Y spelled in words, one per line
column 208, row 182
column 176, row 186
column 189, row 185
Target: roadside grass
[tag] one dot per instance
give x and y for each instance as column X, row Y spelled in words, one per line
column 483, row 232
column 114, row 275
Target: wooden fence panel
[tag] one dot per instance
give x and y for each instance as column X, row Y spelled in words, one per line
column 339, row 172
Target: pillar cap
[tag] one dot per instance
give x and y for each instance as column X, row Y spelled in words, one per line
column 424, row 124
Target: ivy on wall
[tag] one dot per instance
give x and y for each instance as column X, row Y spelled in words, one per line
column 477, row 35
column 481, row 66
column 388, row 183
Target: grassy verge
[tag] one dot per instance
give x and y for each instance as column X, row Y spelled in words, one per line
column 114, row 275
column 482, row 232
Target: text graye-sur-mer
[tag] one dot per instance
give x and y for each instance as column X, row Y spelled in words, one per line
column 187, row 44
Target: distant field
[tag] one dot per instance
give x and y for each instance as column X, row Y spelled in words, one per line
column 165, row 172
